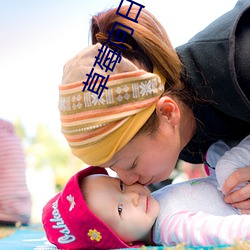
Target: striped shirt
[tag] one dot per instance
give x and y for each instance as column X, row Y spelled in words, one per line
column 15, row 200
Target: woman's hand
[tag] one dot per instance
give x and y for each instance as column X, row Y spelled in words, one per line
column 241, row 197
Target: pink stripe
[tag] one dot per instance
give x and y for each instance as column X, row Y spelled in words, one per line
column 210, row 240
column 231, row 232
column 192, row 238
column 178, row 220
column 203, row 231
column 185, row 234
column 174, row 219
column 217, row 232
column 170, row 223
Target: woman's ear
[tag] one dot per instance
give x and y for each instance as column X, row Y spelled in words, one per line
column 168, row 110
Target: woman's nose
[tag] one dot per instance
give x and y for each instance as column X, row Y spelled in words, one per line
column 126, row 177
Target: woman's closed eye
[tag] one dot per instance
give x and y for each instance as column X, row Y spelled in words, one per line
column 121, row 186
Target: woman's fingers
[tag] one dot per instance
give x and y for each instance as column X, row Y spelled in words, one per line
column 239, row 176
column 240, row 198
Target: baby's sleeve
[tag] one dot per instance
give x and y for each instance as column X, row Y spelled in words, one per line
column 201, row 229
column 233, row 159
column 214, row 153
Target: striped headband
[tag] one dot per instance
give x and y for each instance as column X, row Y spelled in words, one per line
column 97, row 128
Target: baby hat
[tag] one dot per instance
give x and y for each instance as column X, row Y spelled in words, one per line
column 69, row 223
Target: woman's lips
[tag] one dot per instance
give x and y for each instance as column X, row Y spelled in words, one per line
column 148, row 183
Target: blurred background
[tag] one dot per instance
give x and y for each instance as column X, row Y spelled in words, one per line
column 36, row 39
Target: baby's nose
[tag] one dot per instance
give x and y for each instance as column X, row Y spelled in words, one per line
column 133, row 197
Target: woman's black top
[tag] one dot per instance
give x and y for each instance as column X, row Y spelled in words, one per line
column 217, row 67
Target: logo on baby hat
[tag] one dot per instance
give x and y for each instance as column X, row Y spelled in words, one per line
column 71, row 201
column 66, row 237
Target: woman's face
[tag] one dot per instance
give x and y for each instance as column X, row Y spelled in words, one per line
column 147, row 159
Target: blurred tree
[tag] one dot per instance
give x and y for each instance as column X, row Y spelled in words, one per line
column 45, row 150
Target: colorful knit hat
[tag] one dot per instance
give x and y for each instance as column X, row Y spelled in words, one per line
column 69, row 223
column 96, row 128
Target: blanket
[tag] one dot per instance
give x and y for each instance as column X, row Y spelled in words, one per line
column 33, row 237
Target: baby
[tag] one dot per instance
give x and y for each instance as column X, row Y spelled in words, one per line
column 96, row 211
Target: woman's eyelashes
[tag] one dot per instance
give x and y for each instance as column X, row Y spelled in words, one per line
column 121, row 186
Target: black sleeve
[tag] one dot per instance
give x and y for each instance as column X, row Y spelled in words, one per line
column 217, row 66
column 217, row 58
column 242, row 53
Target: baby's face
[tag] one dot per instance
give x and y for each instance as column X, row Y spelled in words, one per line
column 130, row 211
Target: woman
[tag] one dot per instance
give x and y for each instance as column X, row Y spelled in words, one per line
column 139, row 123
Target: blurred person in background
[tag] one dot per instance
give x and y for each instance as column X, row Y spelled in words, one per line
column 15, row 198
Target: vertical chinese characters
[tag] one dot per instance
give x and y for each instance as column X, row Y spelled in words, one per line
column 108, row 58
